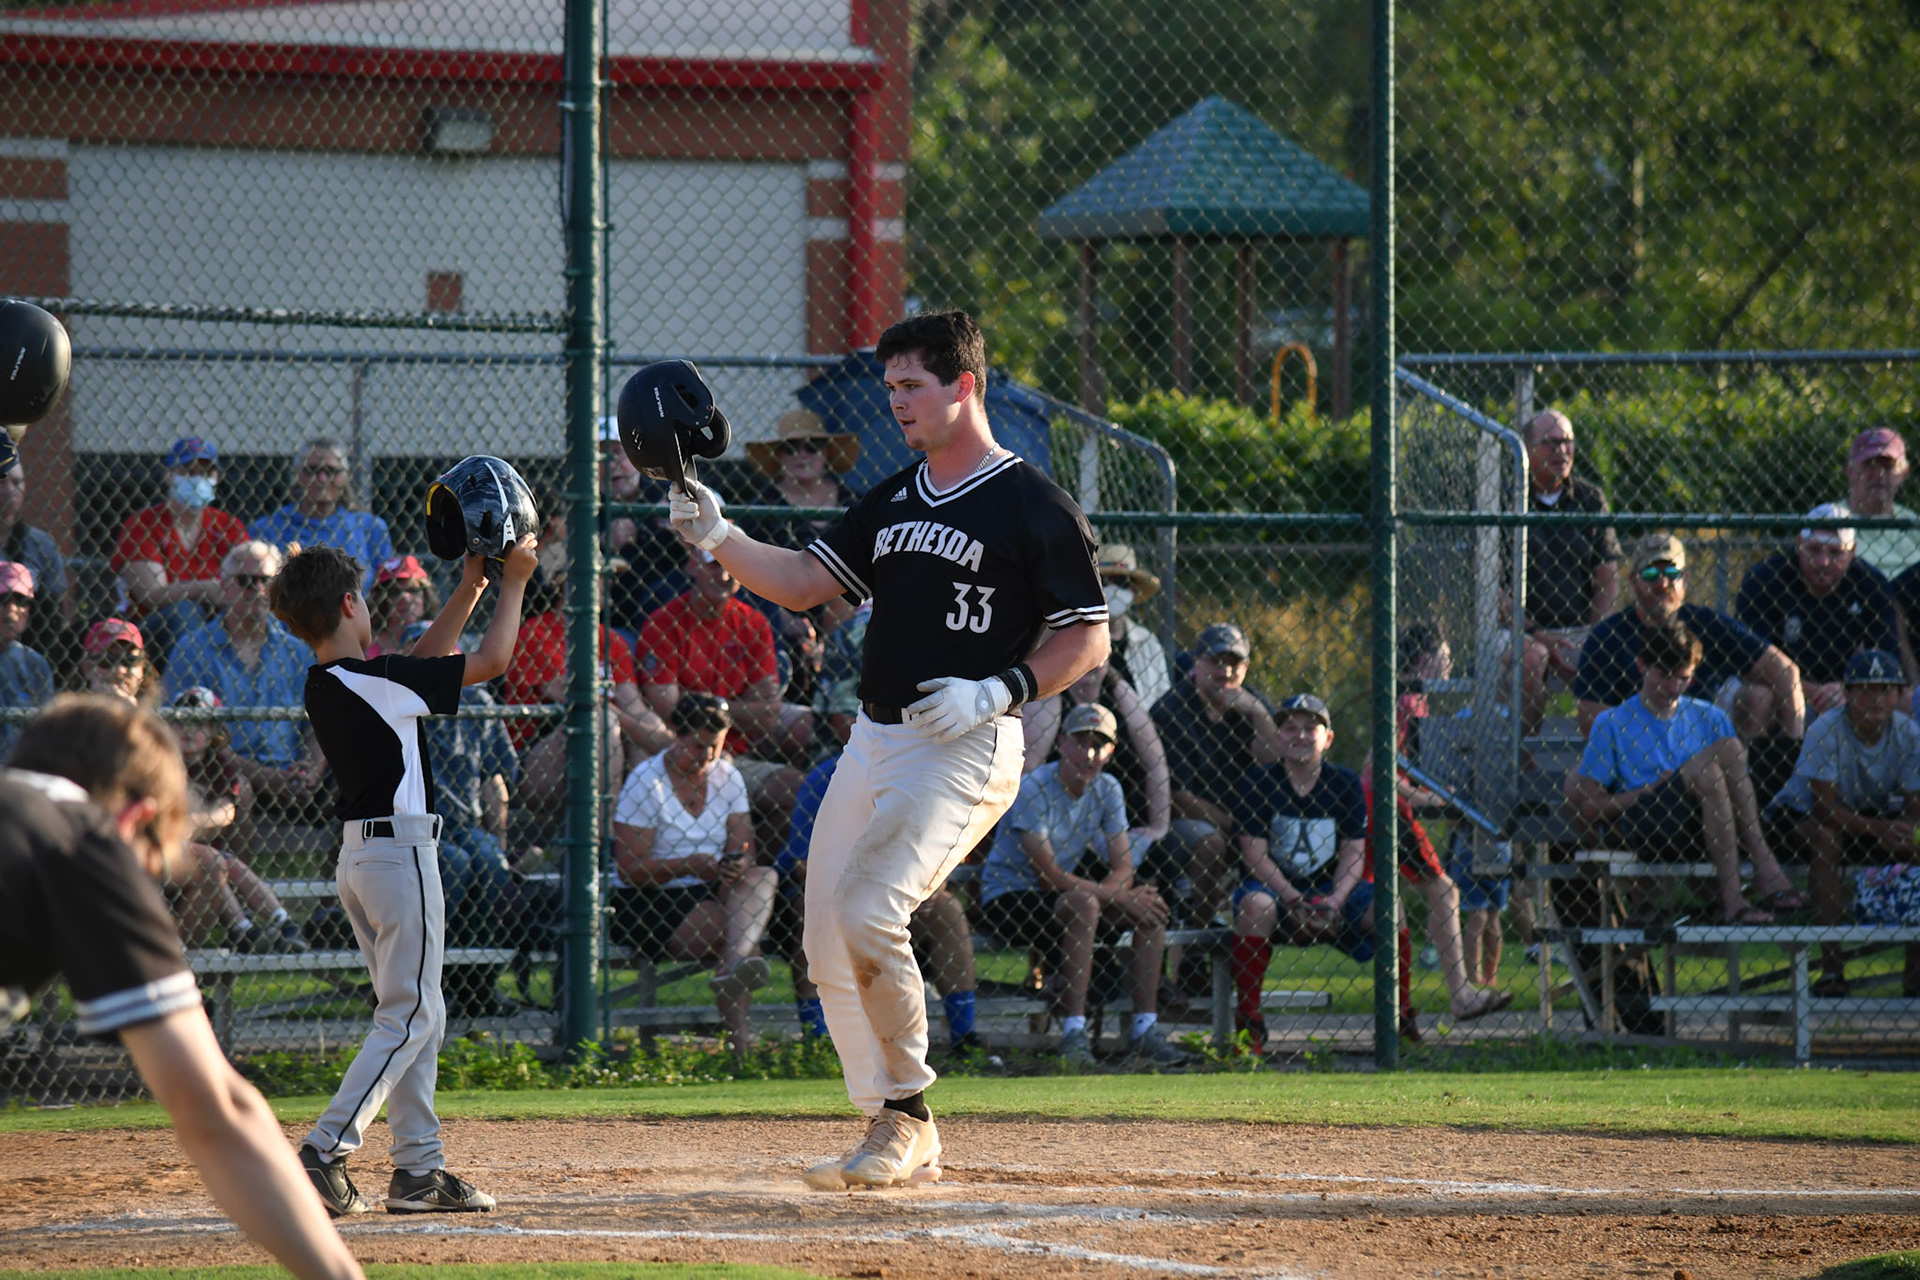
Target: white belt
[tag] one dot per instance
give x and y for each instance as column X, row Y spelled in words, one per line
column 405, row 828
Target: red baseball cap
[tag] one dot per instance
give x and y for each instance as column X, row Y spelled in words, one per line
column 107, row 632
column 399, row 569
column 15, row 579
column 1879, row 442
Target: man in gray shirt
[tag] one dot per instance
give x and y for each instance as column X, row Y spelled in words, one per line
column 26, row 680
column 1855, row 792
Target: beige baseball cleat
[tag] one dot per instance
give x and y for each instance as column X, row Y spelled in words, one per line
column 830, row 1175
column 899, row 1151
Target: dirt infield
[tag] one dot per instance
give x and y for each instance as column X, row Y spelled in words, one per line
column 1038, row 1199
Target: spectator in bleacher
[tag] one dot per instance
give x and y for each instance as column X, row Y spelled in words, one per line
column 688, row 887
column 1061, row 869
column 1876, row 468
column 113, row 661
column 938, row 927
column 1302, row 844
column 1213, row 729
column 802, row 466
column 324, row 512
column 1820, row 606
column 402, row 596
column 1752, row 681
column 1666, row 775
column 250, row 660
column 645, row 557
column 710, row 641
column 50, row 629
column 538, row 674
column 217, row 887
column 26, row 678
column 1854, row 798
column 1573, row 574
column 1137, row 654
column 168, row 555
column 1425, row 658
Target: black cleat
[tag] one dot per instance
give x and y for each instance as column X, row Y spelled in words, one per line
column 336, row 1189
column 435, row 1191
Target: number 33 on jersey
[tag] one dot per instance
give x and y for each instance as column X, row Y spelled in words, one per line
column 963, row 582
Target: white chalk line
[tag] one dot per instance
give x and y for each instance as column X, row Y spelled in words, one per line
column 1443, row 1185
column 968, row 1236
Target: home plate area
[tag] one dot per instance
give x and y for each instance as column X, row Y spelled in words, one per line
column 1026, row 1198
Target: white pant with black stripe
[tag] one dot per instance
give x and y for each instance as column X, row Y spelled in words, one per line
column 901, row 813
column 390, row 889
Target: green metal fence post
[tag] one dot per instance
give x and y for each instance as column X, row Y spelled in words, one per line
column 585, row 216
column 1385, row 511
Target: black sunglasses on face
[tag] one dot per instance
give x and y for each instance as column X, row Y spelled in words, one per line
column 125, row 661
column 329, row 472
column 789, row 447
column 1655, row 572
column 248, row 581
column 14, row 597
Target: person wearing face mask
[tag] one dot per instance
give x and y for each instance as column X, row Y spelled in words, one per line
column 1138, row 656
column 168, row 555
column 93, row 809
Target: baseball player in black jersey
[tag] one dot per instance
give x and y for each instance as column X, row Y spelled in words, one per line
column 367, row 714
column 93, row 806
column 984, row 597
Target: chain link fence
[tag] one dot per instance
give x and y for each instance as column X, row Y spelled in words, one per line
column 314, row 254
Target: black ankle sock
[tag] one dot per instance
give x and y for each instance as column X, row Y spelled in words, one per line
column 916, row 1106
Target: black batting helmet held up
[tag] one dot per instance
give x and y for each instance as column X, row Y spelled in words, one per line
column 667, row 418
column 35, row 358
column 481, row 506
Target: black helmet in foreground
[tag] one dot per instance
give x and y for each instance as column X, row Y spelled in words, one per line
column 35, row 358
column 667, row 418
column 481, row 506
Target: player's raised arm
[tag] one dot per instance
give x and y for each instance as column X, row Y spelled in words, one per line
column 795, row 579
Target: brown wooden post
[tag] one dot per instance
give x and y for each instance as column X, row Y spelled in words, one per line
column 1182, row 317
column 1342, row 332
column 1093, row 391
column 1243, row 338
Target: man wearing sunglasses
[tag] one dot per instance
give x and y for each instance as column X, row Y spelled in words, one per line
column 1751, row 680
column 323, row 512
column 250, row 660
column 26, row 678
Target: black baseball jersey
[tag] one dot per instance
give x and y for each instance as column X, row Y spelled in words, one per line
column 75, row 900
column 368, row 714
column 963, row 582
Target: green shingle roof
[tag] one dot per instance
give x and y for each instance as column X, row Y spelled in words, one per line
column 1218, row 170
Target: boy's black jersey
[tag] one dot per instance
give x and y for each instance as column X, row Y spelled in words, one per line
column 74, row 900
column 368, row 715
column 963, row 582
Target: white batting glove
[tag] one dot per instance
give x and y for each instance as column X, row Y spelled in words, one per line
column 696, row 516
column 955, row 704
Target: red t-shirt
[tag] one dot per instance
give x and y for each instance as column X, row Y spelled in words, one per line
column 540, row 655
column 149, row 534
column 722, row 655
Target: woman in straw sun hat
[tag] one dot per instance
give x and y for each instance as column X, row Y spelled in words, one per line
column 802, row 466
column 1138, row 655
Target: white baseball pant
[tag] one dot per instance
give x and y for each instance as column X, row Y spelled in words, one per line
column 902, row 811
column 390, row 889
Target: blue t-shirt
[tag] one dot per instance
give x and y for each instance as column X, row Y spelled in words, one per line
column 357, row 532
column 1818, row 632
column 1630, row 746
column 205, row 656
column 26, row 680
column 1071, row 826
column 1608, row 674
column 1303, row 832
column 806, row 807
column 466, row 751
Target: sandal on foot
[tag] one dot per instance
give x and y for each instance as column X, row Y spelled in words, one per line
column 1749, row 916
column 1784, row 900
column 1493, row 1002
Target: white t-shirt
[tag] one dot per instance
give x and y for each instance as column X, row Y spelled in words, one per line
column 647, row 800
column 1873, row 781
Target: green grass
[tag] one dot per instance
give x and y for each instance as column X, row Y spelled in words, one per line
column 1731, row 1102
column 1885, row 1266
column 491, row 1271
